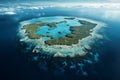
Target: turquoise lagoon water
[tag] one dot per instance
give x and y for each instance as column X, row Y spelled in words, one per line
column 61, row 29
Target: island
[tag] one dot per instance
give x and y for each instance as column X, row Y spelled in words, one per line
column 77, row 32
column 60, row 42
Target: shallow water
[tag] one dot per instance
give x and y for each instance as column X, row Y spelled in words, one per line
column 64, row 28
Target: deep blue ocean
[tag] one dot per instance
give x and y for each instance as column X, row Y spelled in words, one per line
column 15, row 66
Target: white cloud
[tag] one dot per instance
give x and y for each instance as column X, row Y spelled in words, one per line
column 90, row 5
column 40, row 6
column 10, row 13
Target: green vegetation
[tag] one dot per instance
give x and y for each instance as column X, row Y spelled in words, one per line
column 31, row 29
column 62, row 41
column 61, row 22
column 87, row 24
column 78, row 32
column 52, row 24
column 71, row 18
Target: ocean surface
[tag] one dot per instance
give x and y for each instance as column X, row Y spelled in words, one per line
column 15, row 66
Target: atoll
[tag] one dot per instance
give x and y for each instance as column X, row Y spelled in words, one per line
column 61, row 43
column 61, row 38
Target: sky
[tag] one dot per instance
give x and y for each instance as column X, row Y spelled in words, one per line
column 111, row 1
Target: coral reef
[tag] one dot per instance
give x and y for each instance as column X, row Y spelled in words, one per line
column 72, row 51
